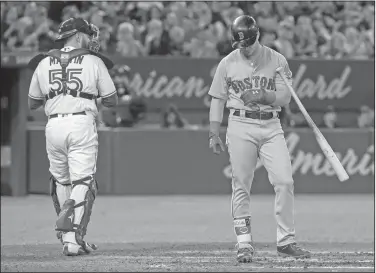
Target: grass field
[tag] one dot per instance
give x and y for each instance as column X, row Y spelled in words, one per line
column 189, row 233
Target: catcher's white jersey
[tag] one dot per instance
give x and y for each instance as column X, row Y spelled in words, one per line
column 235, row 74
column 86, row 74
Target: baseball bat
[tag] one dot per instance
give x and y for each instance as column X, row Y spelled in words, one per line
column 323, row 143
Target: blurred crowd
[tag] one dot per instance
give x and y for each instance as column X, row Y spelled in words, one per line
column 330, row 30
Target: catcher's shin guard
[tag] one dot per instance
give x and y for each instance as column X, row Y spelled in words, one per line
column 76, row 211
column 59, row 193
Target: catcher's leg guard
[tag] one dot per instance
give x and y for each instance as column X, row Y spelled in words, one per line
column 59, row 193
column 75, row 213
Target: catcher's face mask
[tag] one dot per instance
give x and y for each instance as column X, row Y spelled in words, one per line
column 93, row 33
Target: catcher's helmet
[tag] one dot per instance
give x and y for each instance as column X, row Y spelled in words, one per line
column 73, row 25
column 244, row 31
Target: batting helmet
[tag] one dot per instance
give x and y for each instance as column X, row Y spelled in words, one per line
column 244, row 31
column 73, row 25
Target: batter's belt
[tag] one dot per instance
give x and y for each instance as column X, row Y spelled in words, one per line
column 255, row 114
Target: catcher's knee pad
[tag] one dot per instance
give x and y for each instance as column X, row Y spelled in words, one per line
column 59, row 193
column 76, row 211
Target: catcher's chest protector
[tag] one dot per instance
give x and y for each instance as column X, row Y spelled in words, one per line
column 58, row 54
column 64, row 58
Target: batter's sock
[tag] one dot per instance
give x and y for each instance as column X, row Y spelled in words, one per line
column 242, row 228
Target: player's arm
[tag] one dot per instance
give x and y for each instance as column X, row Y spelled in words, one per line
column 216, row 115
column 35, row 98
column 280, row 97
column 218, row 92
column 282, row 93
column 106, row 87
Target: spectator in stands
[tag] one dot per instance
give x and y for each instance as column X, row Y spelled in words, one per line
column 171, row 20
column 265, row 16
column 120, row 75
column 287, row 8
column 198, row 48
column 126, row 45
column 268, row 39
column 330, row 118
column 230, row 14
column 224, row 46
column 201, row 14
column 305, row 37
column 335, row 47
column 318, row 32
column 176, row 35
column 355, row 44
column 97, row 18
column 156, row 38
column 323, row 35
column 155, row 11
column 284, row 42
column 115, row 12
column 16, row 34
column 42, row 38
column 172, row 118
column 9, row 25
column 289, row 118
column 69, row 12
column 366, row 119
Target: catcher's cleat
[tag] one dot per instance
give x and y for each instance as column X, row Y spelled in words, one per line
column 86, row 245
column 59, row 235
column 71, row 249
column 292, row 250
column 245, row 252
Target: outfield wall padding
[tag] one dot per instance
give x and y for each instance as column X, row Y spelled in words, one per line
column 138, row 162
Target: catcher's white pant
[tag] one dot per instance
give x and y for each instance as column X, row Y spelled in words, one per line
column 72, row 147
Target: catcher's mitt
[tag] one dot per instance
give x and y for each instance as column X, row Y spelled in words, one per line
column 253, row 96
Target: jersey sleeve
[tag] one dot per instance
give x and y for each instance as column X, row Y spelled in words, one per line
column 105, row 85
column 282, row 62
column 34, row 90
column 218, row 88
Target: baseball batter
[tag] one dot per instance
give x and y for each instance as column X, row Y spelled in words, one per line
column 246, row 79
column 68, row 82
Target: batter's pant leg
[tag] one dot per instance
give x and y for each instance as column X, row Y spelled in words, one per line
column 243, row 159
column 275, row 156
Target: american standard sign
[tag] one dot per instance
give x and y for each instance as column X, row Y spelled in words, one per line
column 345, row 84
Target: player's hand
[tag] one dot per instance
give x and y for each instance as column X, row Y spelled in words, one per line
column 216, row 144
column 252, row 96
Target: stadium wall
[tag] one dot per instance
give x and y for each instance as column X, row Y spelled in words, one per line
column 151, row 162
column 179, row 162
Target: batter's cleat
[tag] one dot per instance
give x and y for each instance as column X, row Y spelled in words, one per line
column 292, row 250
column 245, row 252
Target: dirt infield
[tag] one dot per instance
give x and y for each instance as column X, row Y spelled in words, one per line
column 189, row 233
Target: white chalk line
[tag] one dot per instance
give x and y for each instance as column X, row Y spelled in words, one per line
column 292, row 267
column 272, row 252
column 266, row 252
column 225, row 259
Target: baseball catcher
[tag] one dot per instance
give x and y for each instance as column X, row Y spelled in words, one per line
column 68, row 82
